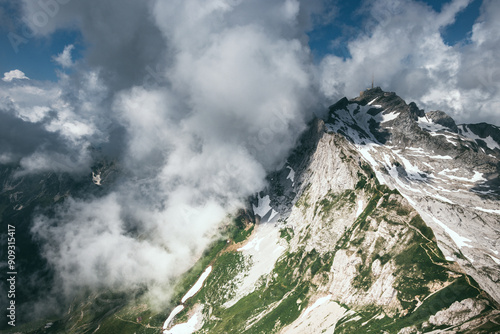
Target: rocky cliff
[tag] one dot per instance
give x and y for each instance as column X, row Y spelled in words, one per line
column 384, row 220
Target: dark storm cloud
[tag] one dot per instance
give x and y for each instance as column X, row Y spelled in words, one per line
column 121, row 39
column 19, row 138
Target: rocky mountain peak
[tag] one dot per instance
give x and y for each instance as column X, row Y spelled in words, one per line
column 441, row 118
column 415, row 111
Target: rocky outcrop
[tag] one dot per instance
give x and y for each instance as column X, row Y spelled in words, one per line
column 441, row 118
column 458, row 313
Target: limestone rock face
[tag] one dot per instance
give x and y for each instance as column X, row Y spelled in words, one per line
column 441, row 118
column 449, row 173
column 383, row 214
column 458, row 313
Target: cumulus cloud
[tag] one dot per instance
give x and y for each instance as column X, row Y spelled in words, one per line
column 52, row 126
column 13, row 75
column 64, row 58
column 404, row 49
column 210, row 96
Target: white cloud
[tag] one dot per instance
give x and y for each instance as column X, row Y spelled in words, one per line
column 64, row 58
column 231, row 94
column 42, row 161
column 14, row 74
column 52, row 125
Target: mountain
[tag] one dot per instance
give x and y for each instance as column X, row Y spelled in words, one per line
column 384, row 219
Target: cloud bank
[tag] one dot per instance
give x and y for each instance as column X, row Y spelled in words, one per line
column 210, row 96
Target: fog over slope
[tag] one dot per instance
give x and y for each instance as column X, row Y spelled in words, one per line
column 197, row 101
column 206, row 97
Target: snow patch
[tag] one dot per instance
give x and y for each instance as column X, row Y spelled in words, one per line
column 393, row 172
column 254, row 244
column 388, row 117
column 412, row 171
column 197, row 286
column 490, row 142
column 441, row 198
column 428, row 124
column 365, row 152
column 360, row 208
column 323, row 320
column 488, row 210
column 497, row 261
column 263, row 252
column 189, row 327
column 428, row 165
column 264, row 207
column 444, row 157
column 172, row 315
column 417, row 149
column 410, row 200
column 291, row 175
column 96, row 178
column 478, row 176
column 435, row 129
column 459, row 240
column 450, row 139
column 316, row 304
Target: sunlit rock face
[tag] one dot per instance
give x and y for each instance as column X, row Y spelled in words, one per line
column 385, row 216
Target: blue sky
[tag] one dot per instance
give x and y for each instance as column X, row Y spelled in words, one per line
column 20, row 49
column 34, row 54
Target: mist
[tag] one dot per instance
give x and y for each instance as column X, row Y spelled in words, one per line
column 209, row 95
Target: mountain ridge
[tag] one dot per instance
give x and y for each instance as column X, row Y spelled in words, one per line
column 382, row 220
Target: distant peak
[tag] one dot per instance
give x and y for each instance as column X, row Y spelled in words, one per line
column 442, row 118
column 371, row 94
column 371, row 91
column 374, row 90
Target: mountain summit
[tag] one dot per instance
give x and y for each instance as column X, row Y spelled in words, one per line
column 384, row 220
